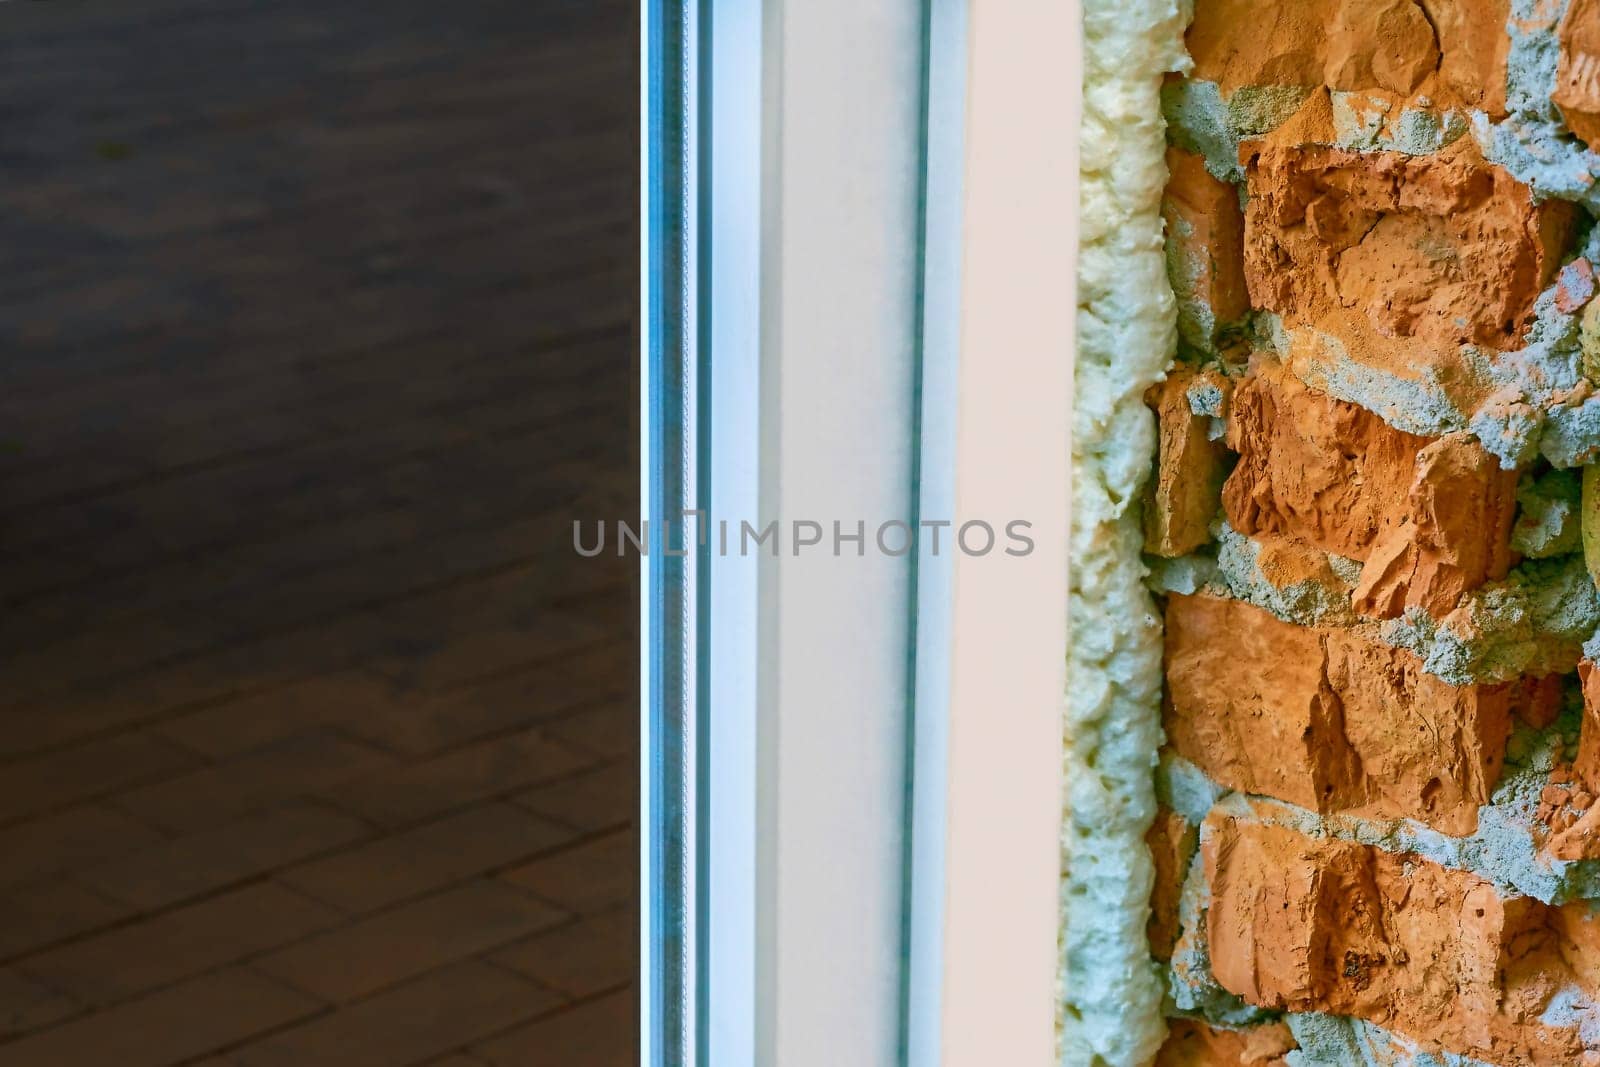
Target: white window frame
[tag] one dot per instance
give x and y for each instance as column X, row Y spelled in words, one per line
column 997, row 354
column 877, row 230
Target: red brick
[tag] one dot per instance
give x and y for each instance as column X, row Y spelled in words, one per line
column 1572, row 829
column 1578, row 927
column 1185, row 495
column 1569, row 810
column 1587, row 764
column 1205, row 248
column 1456, row 534
column 1172, row 840
column 1454, row 51
column 1326, row 719
column 1432, row 519
column 1315, row 924
column 1325, row 472
column 1542, row 697
column 1443, row 248
column 1578, row 74
column 1474, row 45
column 1191, row 1043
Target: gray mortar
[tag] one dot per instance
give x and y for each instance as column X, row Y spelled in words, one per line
column 1192, row 987
column 1530, row 407
column 1533, row 57
column 1534, row 621
column 1324, row 1040
column 1186, row 574
column 1334, row 1041
column 1534, row 401
column 1417, row 132
column 1185, row 789
column 1364, row 123
column 1547, row 520
column 1503, row 850
column 1309, row 603
column 1197, row 121
column 1532, row 141
column 1205, row 398
column 1201, row 121
column 1418, row 405
column 1268, row 333
column 1197, row 322
column 1539, row 154
column 1355, row 125
column 1573, row 1009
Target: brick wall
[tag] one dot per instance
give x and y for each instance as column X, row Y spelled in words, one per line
column 1379, row 840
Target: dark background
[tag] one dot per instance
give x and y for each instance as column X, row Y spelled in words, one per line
column 318, row 743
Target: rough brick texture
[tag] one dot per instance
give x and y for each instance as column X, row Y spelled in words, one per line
column 1380, row 243
column 1194, row 1044
column 1437, row 955
column 1172, row 840
column 1327, row 719
column 1587, row 765
column 1455, row 533
column 1445, row 248
column 1325, row 472
column 1205, row 248
column 1185, row 493
column 1567, row 805
column 1431, row 518
column 1578, row 76
column 1453, row 50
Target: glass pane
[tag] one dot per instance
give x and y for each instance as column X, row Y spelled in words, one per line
column 669, row 442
